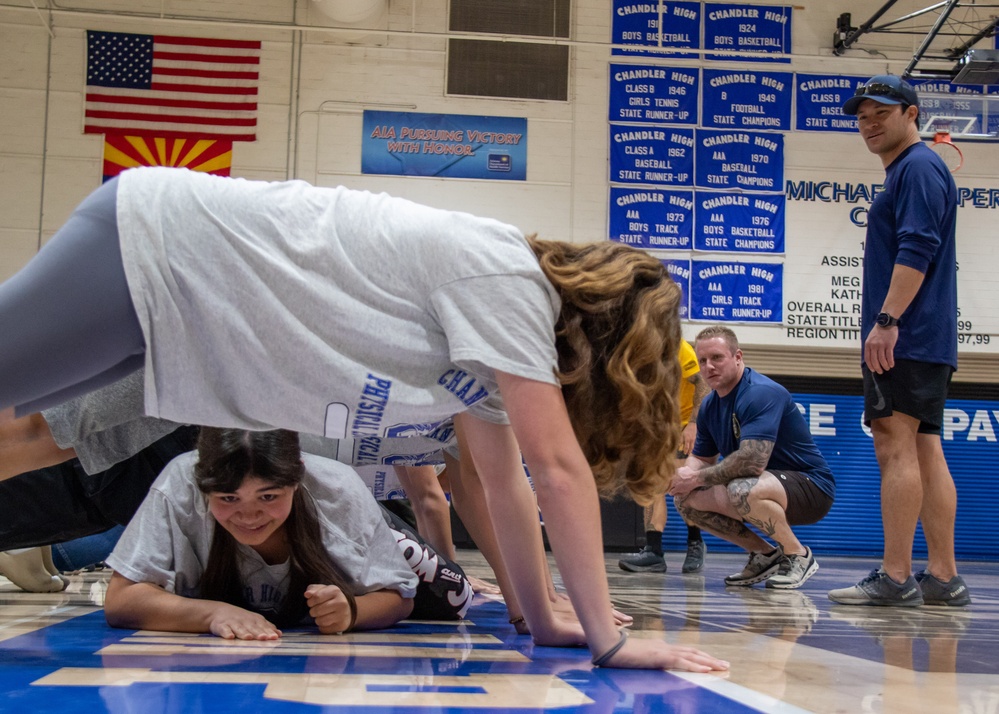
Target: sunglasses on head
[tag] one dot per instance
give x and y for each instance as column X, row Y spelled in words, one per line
column 877, row 89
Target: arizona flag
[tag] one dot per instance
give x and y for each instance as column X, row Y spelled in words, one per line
column 163, row 100
column 212, row 156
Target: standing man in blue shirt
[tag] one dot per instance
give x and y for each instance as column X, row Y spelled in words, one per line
column 772, row 475
column 909, row 335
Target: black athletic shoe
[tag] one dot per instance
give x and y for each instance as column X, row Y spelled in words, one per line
column 694, row 562
column 936, row 592
column 644, row 561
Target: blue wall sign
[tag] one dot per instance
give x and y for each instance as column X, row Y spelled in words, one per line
column 656, row 95
column 736, row 292
column 637, row 23
column 762, row 29
column 752, row 161
column 645, row 218
column 740, row 222
column 853, row 527
column 820, row 99
column 747, row 100
column 649, row 155
column 679, row 270
column 447, row 145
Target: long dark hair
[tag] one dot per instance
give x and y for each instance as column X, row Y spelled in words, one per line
column 225, row 458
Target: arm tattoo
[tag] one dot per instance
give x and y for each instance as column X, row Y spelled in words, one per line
column 750, row 460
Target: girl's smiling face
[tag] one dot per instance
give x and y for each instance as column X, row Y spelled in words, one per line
column 255, row 515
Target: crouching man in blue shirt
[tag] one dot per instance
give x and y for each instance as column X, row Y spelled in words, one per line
column 772, row 475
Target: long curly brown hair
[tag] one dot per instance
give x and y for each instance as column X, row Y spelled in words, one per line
column 618, row 338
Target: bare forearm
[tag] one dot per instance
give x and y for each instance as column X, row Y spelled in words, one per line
column 701, row 390
column 430, row 505
column 905, row 284
column 143, row 606
column 571, row 510
column 380, row 609
column 470, row 504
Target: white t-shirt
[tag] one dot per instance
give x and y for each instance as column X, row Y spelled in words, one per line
column 167, row 541
column 327, row 311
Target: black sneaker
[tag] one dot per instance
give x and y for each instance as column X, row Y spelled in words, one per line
column 793, row 571
column 644, row 561
column 879, row 589
column 936, row 592
column 759, row 567
column 694, row 562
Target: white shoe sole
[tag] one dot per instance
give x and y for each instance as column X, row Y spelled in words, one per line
column 812, row 570
column 752, row 581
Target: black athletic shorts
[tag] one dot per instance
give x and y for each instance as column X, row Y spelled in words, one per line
column 916, row 389
column 806, row 502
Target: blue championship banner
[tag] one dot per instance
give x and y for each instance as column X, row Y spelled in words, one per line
column 657, row 95
column 820, row 100
column 957, row 108
column 659, row 156
column 637, row 23
column 762, row 29
column 747, row 100
column 740, row 222
column 752, row 161
column 679, row 270
column 644, row 218
column 736, row 292
column 447, row 145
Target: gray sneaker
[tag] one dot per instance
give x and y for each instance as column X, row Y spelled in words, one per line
column 879, row 589
column 644, row 561
column 793, row 571
column 694, row 561
column 936, row 592
column 759, row 567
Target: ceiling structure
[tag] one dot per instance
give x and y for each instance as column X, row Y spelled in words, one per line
column 956, row 38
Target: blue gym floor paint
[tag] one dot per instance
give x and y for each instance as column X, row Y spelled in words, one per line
column 82, row 665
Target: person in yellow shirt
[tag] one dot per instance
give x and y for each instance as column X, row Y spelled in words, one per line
column 650, row 558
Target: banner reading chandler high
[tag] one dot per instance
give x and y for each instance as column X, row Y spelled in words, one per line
column 447, row 145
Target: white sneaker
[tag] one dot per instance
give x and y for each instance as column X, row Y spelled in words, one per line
column 793, row 571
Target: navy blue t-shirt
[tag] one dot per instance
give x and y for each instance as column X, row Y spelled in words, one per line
column 912, row 222
column 760, row 409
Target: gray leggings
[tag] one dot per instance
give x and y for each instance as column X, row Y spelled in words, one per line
column 67, row 323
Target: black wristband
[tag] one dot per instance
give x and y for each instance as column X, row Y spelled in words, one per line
column 602, row 659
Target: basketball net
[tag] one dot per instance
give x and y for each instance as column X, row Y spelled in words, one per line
column 947, row 150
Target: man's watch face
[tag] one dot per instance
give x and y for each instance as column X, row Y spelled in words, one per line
column 885, row 320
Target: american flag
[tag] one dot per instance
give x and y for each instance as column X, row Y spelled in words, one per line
column 179, row 87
